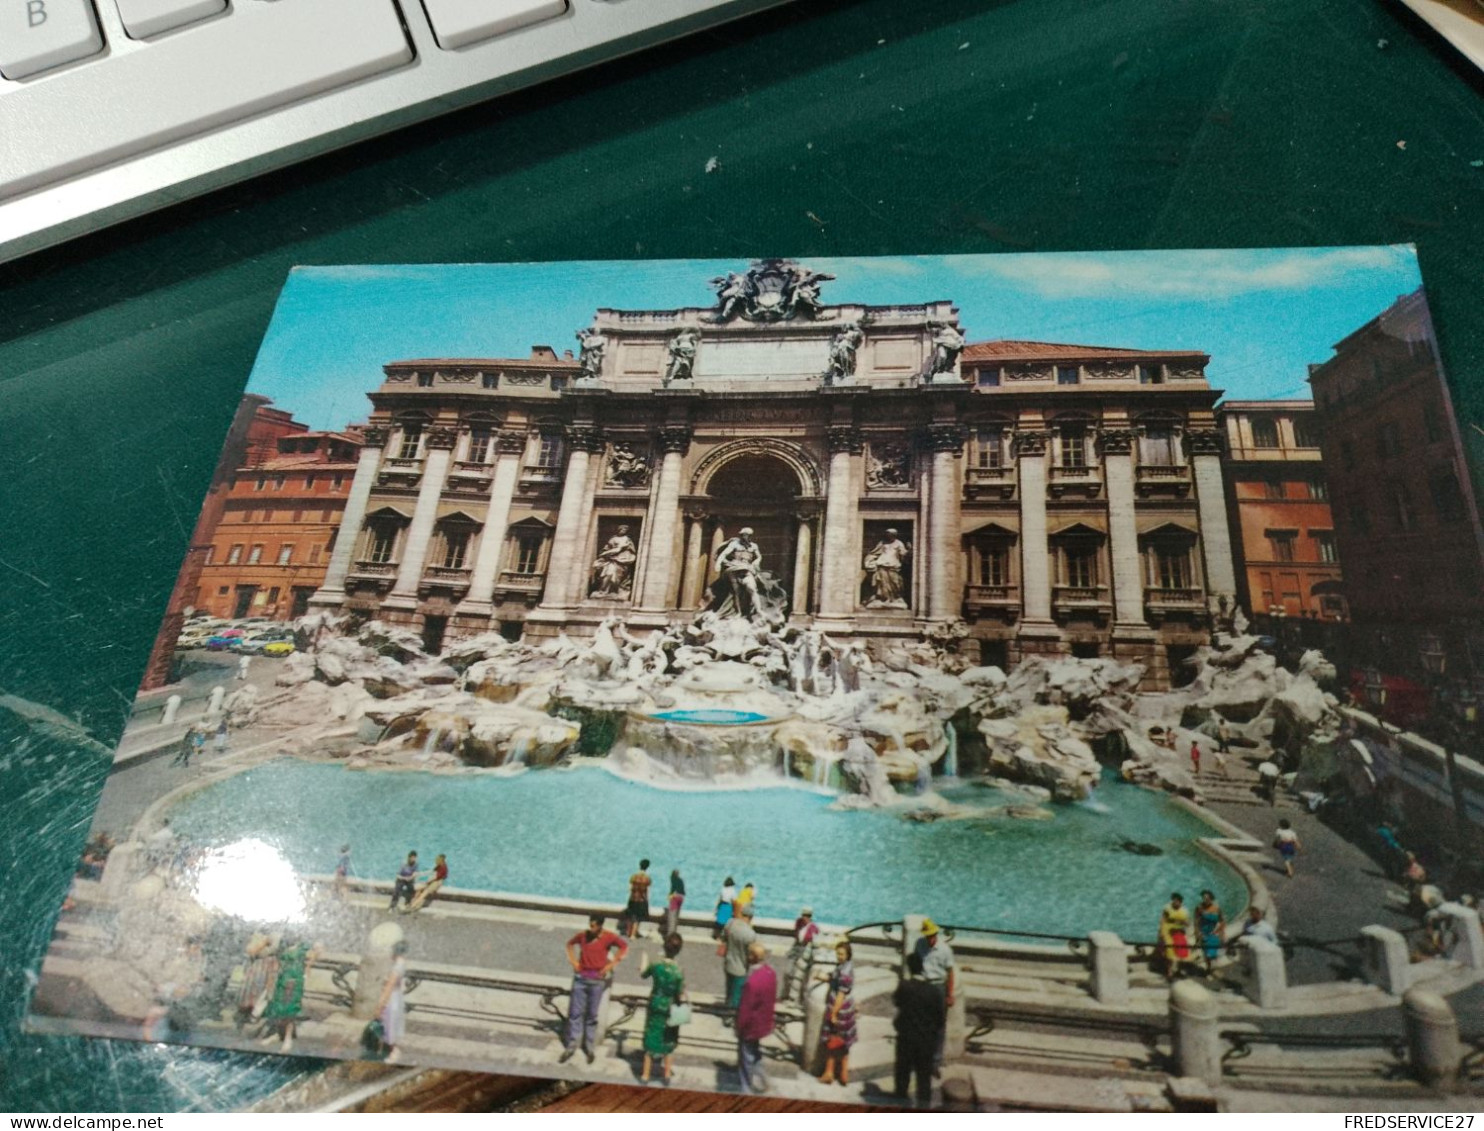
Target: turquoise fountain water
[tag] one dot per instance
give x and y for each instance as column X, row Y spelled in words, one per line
column 578, row 834
column 710, row 716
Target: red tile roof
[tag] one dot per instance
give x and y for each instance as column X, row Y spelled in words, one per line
column 1020, row 350
column 296, row 461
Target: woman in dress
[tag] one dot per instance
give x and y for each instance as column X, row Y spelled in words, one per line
column 660, row 1036
column 746, row 897
column 258, row 974
column 282, row 1014
column 391, row 1009
column 672, row 908
column 839, row 1019
column 1210, row 924
column 1174, row 934
column 724, row 906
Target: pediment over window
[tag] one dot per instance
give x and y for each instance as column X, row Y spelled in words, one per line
column 391, row 513
column 459, row 518
column 991, row 530
column 1168, row 529
column 1078, row 530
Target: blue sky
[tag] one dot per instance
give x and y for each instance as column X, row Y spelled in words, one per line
column 1262, row 315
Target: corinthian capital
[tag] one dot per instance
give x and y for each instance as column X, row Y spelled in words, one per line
column 1031, row 443
column 675, row 438
column 585, row 437
column 1203, row 441
column 946, row 437
column 845, row 438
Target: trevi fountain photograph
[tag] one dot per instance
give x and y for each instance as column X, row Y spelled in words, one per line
column 820, row 679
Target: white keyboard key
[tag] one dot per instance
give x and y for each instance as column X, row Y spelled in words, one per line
column 36, row 35
column 262, row 56
column 144, row 18
column 458, row 23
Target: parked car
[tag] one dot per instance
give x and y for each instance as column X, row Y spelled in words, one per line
column 253, row 643
column 224, row 640
column 278, row 648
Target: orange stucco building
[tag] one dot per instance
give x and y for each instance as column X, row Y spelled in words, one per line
column 280, row 513
column 1278, row 504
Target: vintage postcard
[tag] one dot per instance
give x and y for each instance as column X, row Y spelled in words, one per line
column 1033, row 681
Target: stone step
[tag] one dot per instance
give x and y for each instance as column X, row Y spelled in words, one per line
column 1020, row 1088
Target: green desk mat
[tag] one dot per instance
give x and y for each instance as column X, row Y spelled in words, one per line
column 839, row 128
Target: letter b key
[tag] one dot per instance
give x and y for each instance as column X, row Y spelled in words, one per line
column 36, row 35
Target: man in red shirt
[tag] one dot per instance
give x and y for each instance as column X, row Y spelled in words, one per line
column 591, row 954
column 755, row 1018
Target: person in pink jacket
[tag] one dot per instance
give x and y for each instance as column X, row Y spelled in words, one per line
column 755, row 1018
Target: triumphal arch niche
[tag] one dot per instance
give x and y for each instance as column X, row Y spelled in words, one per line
column 830, row 434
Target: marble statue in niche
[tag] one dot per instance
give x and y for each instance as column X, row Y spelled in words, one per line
column 612, row 573
column 885, row 564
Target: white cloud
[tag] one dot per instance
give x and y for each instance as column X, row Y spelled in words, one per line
column 1181, row 274
column 868, row 266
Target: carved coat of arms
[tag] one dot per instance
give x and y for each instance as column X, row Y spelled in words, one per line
column 771, row 290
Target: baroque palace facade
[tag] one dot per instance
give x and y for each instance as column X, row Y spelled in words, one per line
column 1052, row 498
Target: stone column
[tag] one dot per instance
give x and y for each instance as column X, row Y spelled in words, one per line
column 1385, row 959
column 1462, row 924
column 802, row 565
column 837, row 590
column 374, row 969
column 424, row 516
column 1194, row 1019
column 584, row 439
column 1109, row 967
column 1264, row 975
column 1210, row 497
column 718, row 539
column 1035, row 548
column 694, row 570
column 945, row 595
column 332, row 592
column 816, row 998
column 510, row 448
column 659, row 569
column 1433, row 1047
column 1123, row 532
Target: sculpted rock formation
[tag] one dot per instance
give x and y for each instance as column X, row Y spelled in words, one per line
column 732, row 696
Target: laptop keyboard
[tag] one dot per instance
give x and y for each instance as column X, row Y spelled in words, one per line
column 110, row 107
column 266, row 53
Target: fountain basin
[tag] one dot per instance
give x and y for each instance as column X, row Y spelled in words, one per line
column 533, row 833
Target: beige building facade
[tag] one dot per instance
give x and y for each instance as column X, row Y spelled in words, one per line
column 1035, row 497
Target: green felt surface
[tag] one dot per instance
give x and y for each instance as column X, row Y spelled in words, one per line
column 841, row 128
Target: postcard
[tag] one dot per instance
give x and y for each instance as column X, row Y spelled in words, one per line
column 1036, row 681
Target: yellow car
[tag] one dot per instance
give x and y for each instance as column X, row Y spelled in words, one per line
column 279, row 648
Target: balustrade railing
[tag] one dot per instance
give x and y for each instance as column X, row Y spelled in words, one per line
column 1079, row 594
column 993, row 594
column 1162, row 595
column 513, row 579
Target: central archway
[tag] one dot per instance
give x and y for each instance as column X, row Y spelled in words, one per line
column 759, row 487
